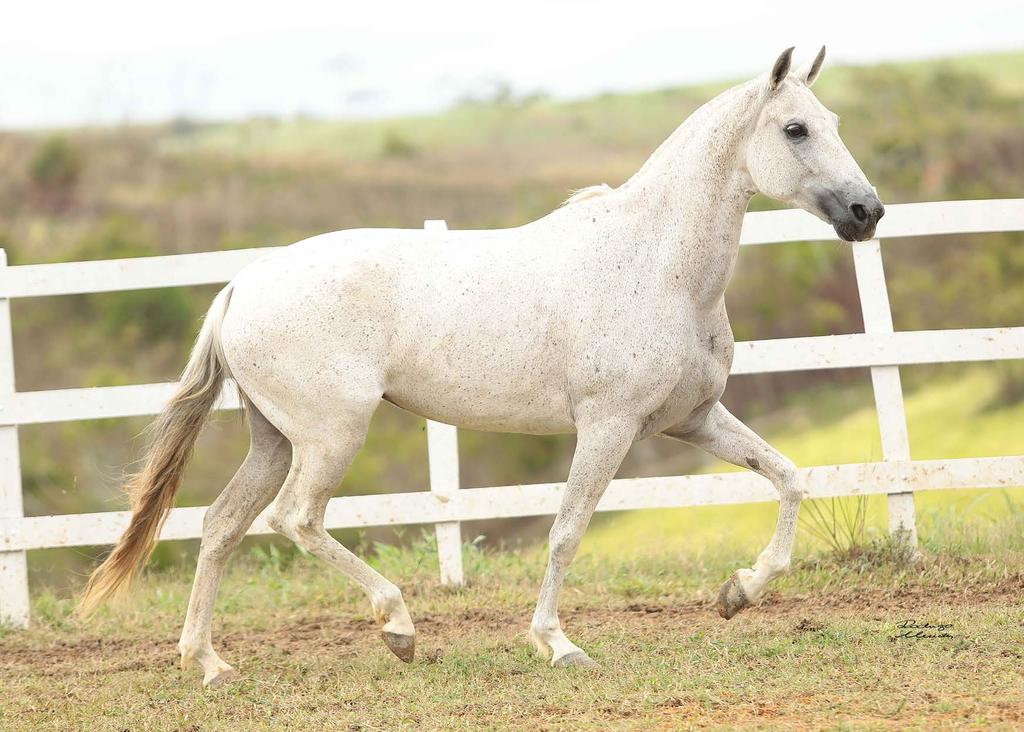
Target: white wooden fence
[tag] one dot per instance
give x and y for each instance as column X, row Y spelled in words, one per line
column 445, row 505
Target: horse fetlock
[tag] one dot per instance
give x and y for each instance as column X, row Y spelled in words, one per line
column 544, row 628
column 541, row 632
column 539, row 644
column 390, row 611
column 200, row 653
column 770, row 566
column 385, row 602
column 551, row 642
column 195, row 652
column 188, row 655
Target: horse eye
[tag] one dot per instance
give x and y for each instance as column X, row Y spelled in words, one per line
column 795, row 130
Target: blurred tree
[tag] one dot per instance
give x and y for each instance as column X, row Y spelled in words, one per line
column 54, row 173
column 138, row 316
column 397, row 146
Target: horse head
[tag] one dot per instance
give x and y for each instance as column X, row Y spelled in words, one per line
column 794, row 154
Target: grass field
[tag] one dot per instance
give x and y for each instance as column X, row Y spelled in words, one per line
column 819, row 652
column 822, row 651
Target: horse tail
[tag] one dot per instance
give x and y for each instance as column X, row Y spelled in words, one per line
column 173, row 436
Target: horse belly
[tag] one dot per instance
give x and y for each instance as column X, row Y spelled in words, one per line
column 493, row 395
column 481, row 346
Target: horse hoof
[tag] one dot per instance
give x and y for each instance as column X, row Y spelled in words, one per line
column 220, row 678
column 731, row 598
column 576, row 658
column 403, row 646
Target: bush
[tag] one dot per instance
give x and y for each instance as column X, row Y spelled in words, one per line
column 147, row 316
column 396, row 146
column 54, row 173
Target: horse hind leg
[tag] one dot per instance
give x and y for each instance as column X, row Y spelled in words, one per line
column 318, row 466
column 250, row 491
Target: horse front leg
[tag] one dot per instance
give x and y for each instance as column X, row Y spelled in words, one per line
column 600, row 448
column 727, row 438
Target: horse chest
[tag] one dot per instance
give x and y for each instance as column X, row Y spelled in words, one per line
column 704, row 360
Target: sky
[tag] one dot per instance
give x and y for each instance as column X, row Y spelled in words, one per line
column 112, row 61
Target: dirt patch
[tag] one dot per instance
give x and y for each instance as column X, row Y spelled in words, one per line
column 342, row 635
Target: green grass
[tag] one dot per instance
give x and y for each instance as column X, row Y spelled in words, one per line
column 819, row 652
column 947, row 417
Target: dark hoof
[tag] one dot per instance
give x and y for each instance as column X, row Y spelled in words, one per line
column 403, row 646
column 576, row 658
column 731, row 598
column 223, row 678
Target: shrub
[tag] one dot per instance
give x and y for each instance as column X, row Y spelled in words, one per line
column 397, row 146
column 54, row 172
column 147, row 316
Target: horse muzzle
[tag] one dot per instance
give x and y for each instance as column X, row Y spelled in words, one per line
column 854, row 217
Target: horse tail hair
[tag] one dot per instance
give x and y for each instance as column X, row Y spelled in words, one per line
column 172, row 437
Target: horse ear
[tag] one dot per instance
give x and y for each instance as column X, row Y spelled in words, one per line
column 810, row 73
column 780, row 69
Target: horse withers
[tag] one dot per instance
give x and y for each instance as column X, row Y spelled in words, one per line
column 605, row 318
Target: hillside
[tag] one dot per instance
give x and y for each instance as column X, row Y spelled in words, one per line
column 626, row 120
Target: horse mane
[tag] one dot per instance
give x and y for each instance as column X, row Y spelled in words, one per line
column 582, row 194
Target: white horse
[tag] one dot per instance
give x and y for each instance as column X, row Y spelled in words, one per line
column 605, row 318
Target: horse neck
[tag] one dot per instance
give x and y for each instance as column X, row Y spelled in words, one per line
column 690, row 196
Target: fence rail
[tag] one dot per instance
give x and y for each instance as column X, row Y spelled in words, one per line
column 445, row 505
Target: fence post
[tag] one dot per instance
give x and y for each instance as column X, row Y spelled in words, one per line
column 892, row 419
column 443, row 459
column 14, row 607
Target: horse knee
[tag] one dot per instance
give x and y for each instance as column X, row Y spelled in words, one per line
column 562, row 543
column 786, row 478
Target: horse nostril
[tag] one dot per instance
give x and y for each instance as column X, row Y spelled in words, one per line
column 859, row 212
column 879, row 212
